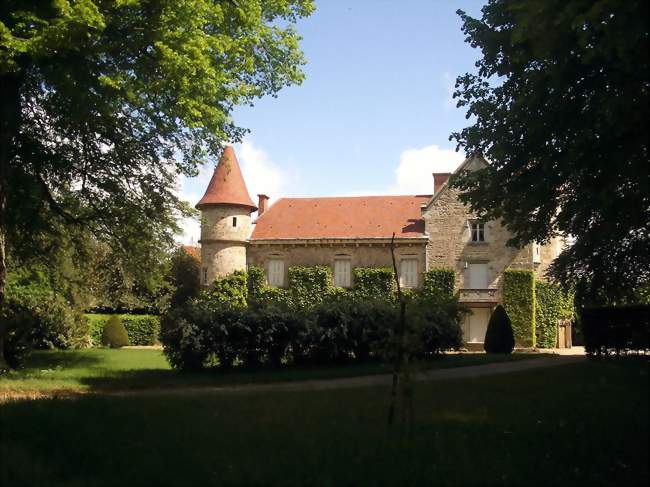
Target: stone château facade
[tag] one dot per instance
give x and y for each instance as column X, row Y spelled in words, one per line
column 435, row 230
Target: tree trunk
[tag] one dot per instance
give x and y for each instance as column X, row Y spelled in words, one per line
column 10, row 84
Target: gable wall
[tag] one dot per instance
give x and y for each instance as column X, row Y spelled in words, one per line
column 449, row 245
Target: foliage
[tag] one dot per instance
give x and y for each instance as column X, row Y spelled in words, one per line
column 33, row 304
column 114, row 334
column 439, row 282
column 309, row 286
column 499, row 337
column 256, row 279
column 344, row 329
column 519, row 303
column 552, row 305
column 141, row 329
column 105, row 104
column 183, row 277
column 373, row 282
column 616, row 329
column 230, row 290
column 560, row 92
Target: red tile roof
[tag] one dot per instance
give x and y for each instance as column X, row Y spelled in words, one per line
column 192, row 251
column 346, row 217
column 227, row 185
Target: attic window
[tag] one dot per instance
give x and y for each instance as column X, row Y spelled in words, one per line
column 477, row 231
column 234, row 221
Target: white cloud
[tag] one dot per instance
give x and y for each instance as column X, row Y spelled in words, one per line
column 260, row 173
column 414, row 172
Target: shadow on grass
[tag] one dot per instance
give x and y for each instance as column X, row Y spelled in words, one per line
column 60, row 359
column 214, row 377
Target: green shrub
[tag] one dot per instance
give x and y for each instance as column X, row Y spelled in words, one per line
column 373, row 283
column 37, row 316
column 309, row 286
column 499, row 337
column 616, row 329
column 439, row 282
column 231, row 290
column 552, row 305
column 114, row 334
column 519, row 303
column 256, row 280
column 141, row 329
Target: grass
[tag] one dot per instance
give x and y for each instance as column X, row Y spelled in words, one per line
column 107, row 369
column 580, row 424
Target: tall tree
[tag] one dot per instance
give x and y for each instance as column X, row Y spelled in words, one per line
column 105, row 102
column 559, row 105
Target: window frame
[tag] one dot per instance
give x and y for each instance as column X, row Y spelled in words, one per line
column 479, row 231
column 270, row 275
column 403, row 276
column 348, row 280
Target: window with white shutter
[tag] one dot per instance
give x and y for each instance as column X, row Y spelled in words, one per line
column 342, row 269
column 477, row 276
column 276, row 273
column 408, row 277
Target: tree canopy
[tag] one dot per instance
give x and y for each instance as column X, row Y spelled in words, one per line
column 106, row 102
column 559, row 107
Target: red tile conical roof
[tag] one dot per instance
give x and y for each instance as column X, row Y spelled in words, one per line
column 227, row 185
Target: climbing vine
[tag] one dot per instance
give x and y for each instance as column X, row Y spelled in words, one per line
column 552, row 304
column 439, row 282
column 519, row 303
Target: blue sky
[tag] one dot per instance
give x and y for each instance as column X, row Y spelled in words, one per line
column 374, row 113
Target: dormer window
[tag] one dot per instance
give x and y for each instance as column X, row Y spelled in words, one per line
column 234, row 221
column 477, row 231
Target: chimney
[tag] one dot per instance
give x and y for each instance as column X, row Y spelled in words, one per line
column 439, row 178
column 263, row 200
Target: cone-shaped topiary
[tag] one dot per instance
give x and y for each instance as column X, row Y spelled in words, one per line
column 114, row 334
column 499, row 337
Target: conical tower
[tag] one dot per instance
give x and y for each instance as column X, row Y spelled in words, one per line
column 226, row 209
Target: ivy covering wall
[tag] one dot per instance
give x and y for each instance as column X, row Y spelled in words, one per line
column 552, row 304
column 374, row 282
column 439, row 282
column 519, row 303
column 308, row 286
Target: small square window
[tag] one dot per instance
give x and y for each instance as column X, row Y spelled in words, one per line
column 234, row 221
column 477, row 231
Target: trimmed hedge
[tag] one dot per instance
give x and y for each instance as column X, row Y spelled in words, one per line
column 499, row 337
column 341, row 329
column 141, row 329
column 519, row 303
column 552, row 305
column 373, row 282
column 616, row 329
column 309, row 285
column 439, row 282
column 114, row 334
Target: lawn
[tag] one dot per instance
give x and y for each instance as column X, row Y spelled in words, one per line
column 579, row 424
column 106, row 369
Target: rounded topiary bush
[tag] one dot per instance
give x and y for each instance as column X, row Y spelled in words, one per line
column 499, row 337
column 114, row 334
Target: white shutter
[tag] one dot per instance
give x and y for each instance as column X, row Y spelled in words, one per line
column 478, row 276
column 276, row 273
column 342, row 273
column 409, row 273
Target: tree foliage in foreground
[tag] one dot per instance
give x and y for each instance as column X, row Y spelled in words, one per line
column 560, row 109
column 106, row 102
